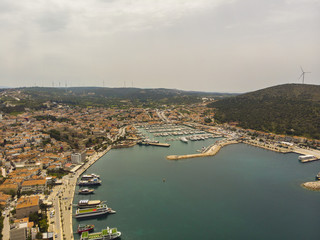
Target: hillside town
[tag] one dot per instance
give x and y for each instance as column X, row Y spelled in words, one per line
column 41, row 151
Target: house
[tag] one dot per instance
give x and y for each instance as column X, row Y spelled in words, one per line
column 37, row 185
column 27, row 205
column 4, row 199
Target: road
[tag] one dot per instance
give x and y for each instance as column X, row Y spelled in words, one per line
column 62, row 198
column 6, row 228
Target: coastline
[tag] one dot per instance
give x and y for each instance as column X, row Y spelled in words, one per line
column 72, row 186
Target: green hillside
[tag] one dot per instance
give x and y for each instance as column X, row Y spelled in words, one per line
column 292, row 109
column 18, row 99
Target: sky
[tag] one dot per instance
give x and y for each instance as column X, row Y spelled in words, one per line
column 201, row 45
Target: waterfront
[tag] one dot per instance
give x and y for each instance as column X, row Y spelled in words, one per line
column 243, row 192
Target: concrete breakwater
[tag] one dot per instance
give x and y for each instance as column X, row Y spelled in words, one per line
column 315, row 186
column 213, row 150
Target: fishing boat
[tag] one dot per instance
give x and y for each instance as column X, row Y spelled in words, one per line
column 85, row 228
column 86, row 191
column 105, row 234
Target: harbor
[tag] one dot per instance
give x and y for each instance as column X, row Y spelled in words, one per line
column 149, row 192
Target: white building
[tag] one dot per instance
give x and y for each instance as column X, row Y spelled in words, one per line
column 78, row 158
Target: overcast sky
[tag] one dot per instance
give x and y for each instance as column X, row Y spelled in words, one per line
column 207, row 45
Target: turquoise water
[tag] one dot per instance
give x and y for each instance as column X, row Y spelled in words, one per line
column 243, row 192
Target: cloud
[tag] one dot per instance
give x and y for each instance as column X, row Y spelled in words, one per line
column 209, row 45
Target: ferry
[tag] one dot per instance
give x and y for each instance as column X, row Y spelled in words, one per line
column 94, row 181
column 86, row 191
column 92, row 212
column 85, row 228
column 88, row 203
column 307, row 158
column 90, row 176
column 105, row 234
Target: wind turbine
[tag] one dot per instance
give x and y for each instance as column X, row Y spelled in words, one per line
column 302, row 75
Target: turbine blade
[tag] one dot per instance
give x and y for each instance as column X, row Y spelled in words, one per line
column 301, row 69
column 300, row 76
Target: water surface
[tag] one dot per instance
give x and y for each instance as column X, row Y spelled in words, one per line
column 243, row 192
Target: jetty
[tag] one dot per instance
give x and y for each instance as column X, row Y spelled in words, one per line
column 211, row 151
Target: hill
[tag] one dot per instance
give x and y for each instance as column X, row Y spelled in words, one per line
column 17, row 99
column 292, row 109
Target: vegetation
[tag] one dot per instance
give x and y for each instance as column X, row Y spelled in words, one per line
column 40, row 220
column 291, row 109
column 37, row 98
column 57, row 173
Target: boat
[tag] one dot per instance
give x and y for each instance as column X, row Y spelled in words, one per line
column 88, row 203
column 307, row 158
column 85, row 228
column 86, row 191
column 105, row 234
column 94, row 181
column 183, row 139
column 90, row 176
column 318, row 176
column 92, row 212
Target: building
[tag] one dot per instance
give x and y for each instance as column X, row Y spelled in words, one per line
column 37, row 185
column 27, row 205
column 4, row 199
column 23, row 229
column 9, row 188
column 20, row 233
column 78, row 158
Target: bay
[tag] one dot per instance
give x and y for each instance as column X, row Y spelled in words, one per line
column 243, row 192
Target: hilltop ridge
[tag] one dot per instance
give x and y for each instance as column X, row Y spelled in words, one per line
column 292, row 109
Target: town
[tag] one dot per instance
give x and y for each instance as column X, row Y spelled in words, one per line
column 42, row 154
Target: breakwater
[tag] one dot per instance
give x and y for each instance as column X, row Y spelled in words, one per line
column 213, row 150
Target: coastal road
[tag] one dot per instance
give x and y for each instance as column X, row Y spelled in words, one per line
column 63, row 219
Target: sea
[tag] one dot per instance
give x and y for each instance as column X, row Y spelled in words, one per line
column 242, row 193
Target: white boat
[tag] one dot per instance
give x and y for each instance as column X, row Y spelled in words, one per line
column 183, row 139
column 92, row 212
